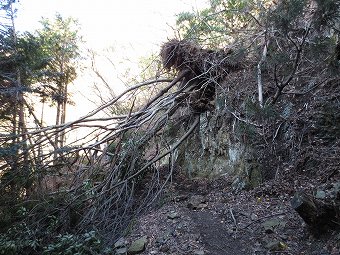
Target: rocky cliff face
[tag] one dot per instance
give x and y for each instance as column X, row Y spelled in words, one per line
column 219, row 145
column 213, row 151
column 240, row 139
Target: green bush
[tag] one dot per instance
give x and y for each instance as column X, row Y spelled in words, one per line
column 68, row 244
column 20, row 239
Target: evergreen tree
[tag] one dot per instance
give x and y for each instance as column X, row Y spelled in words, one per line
column 60, row 42
column 39, row 65
column 13, row 112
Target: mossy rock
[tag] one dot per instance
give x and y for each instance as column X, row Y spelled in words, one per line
column 137, row 246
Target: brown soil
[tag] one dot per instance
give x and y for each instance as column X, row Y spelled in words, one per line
column 231, row 223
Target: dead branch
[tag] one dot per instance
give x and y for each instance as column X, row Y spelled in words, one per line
column 299, row 48
column 172, row 148
column 259, row 73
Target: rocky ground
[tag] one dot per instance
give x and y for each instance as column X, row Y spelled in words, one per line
column 208, row 217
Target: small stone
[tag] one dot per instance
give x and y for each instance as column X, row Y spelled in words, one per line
column 194, row 237
column 276, row 246
column 270, row 225
column 336, row 187
column 230, row 231
column 199, row 252
column 320, row 194
column 173, row 215
column 197, row 202
column 120, row 243
column 253, row 216
column 137, row 246
column 164, row 248
column 180, row 198
column 161, row 240
column 121, row 251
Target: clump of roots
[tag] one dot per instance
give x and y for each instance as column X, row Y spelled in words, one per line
column 203, row 63
column 203, row 69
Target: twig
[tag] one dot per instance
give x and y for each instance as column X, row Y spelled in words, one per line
column 277, row 131
column 233, row 217
column 243, row 120
column 262, row 218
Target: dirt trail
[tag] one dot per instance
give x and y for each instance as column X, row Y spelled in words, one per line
column 216, row 237
column 209, row 219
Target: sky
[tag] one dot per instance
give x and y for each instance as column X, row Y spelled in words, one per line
column 132, row 28
column 140, row 24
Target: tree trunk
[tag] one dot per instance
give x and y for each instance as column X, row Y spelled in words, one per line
column 56, row 138
column 20, row 124
column 63, row 115
column 320, row 216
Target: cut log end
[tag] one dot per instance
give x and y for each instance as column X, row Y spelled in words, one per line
column 318, row 215
column 305, row 207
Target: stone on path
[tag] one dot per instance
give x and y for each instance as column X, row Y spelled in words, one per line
column 173, row 215
column 270, row 225
column 276, row 246
column 320, row 194
column 120, row 243
column 197, row 202
column 121, row 251
column 199, row 252
column 137, row 246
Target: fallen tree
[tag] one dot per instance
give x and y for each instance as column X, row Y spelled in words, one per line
column 100, row 174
